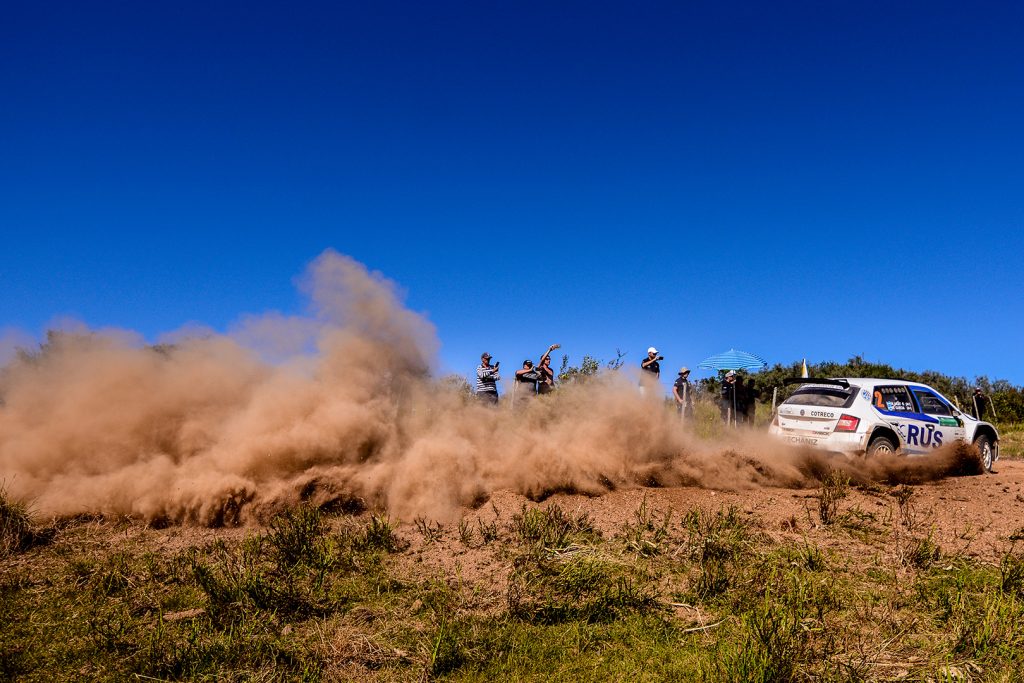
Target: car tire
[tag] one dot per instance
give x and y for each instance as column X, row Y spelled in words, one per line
column 881, row 445
column 985, row 449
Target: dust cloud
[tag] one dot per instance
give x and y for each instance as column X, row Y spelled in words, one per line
column 205, row 430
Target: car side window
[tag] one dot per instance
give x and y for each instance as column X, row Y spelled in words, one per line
column 893, row 398
column 931, row 404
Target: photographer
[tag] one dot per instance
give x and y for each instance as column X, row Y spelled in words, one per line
column 487, row 380
column 527, row 378
column 546, row 373
column 650, row 364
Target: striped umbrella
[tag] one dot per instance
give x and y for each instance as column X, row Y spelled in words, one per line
column 733, row 360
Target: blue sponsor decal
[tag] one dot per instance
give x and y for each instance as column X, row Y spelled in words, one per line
column 922, row 436
column 920, row 417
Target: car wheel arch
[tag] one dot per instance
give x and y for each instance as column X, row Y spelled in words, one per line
column 986, row 430
column 988, row 433
column 886, row 432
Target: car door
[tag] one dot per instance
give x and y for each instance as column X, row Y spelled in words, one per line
column 948, row 429
column 897, row 407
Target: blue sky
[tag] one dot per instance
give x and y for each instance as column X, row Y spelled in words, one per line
column 792, row 179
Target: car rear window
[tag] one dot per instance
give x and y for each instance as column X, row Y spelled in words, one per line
column 825, row 395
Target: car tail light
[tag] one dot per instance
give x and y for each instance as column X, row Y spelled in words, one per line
column 847, row 423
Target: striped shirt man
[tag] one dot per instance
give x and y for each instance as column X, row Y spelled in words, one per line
column 487, row 379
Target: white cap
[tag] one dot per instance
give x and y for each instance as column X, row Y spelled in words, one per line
column 652, row 350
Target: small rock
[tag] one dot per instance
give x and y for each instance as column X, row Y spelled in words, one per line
column 417, row 605
column 286, row 630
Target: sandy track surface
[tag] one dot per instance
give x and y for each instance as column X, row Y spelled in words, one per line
column 978, row 516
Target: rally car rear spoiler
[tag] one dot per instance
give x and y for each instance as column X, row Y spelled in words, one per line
column 814, row 380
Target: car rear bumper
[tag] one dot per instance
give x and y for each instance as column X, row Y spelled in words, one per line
column 842, row 442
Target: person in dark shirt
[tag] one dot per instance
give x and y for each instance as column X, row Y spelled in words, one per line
column 727, row 401
column 650, row 370
column 741, row 401
column 980, row 403
column 650, row 364
column 682, row 392
column 526, row 378
column 750, row 404
column 546, row 382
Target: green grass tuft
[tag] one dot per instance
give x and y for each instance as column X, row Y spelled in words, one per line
column 15, row 525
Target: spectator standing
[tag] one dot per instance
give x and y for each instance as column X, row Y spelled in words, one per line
column 751, row 394
column 487, row 380
column 980, row 400
column 546, row 379
column 741, row 401
column 683, row 394
column 650, row 364
column 650, row 368
column 727, row 401
column 527, row 378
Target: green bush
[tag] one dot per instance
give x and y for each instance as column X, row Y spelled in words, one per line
column 15, row 525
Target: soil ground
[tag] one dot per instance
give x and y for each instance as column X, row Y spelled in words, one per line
column 974, row 516
column 915, row 583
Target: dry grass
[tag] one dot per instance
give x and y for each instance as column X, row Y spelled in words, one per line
column 1011, row 441
column 706, row 594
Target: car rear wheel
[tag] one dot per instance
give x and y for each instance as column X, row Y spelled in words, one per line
column 881, row 445
column 985, row 449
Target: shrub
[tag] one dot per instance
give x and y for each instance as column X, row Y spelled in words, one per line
column 646, row 535
column 552, row 527
column 716, row 542
column 379, row 534
column 579, row 586
column 15, row 525
column 298, row 535
column 833, row 489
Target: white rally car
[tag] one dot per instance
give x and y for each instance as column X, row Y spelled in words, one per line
column 863, row 415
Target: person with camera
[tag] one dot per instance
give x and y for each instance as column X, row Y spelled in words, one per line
column 527, row 378
column 651, row 364
column 546, row 380
column 650, row 369
column 487, row 380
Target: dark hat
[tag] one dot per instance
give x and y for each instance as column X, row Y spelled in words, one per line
column 528, row 362
column 484, row 355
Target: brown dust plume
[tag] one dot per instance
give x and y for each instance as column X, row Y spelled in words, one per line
column 205, row 431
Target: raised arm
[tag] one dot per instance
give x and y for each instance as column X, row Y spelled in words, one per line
column 548, row 352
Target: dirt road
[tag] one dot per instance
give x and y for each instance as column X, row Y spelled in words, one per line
column 980, row 516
